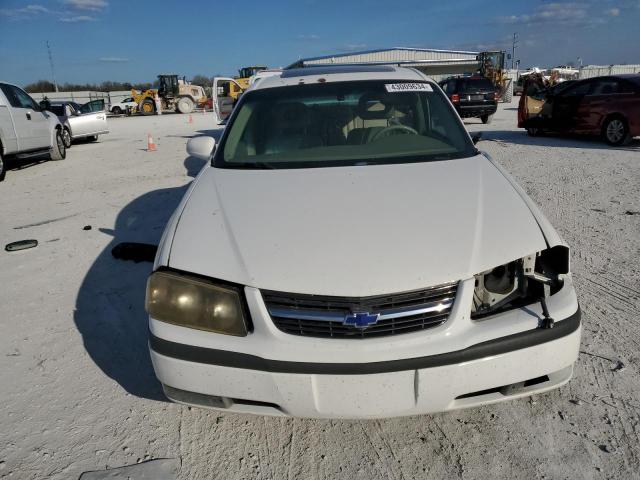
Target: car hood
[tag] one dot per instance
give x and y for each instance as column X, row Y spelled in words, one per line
column 353, row 231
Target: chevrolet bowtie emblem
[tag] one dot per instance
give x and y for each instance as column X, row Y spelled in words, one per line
column 361, row 319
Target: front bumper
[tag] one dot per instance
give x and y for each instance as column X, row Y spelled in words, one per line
column 459, row 364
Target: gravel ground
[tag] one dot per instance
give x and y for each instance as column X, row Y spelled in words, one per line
column 78, row 391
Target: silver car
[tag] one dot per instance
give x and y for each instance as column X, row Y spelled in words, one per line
column 80, row 121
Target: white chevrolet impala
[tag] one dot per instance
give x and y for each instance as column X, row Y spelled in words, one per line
column 347, row 252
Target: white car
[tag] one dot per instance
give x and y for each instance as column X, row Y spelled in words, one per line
column 27, row 130
column 348, row 253
column 118, row 108
column 80, row 121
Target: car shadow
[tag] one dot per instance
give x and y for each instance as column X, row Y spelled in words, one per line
column 109, row 311
column 521, row 137
column 13, row 163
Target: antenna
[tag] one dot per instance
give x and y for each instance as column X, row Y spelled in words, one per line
column 514, row 45
column 53, row 74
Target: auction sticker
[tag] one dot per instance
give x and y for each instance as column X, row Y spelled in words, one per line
column 408, row 87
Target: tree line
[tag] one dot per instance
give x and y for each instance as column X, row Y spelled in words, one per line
column 46, row 86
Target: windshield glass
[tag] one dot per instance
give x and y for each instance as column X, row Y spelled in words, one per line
column 473, row 84
column 347, row 123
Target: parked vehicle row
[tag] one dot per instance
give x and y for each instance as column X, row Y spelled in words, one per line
column 29, row 129
column 605, row 106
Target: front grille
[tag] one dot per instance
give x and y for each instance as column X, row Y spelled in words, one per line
column 324, row 316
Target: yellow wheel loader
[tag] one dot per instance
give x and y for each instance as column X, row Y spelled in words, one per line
column 491, row 66
column 174, row 94
column 246, row 73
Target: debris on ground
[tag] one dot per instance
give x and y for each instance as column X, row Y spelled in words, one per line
column 20, row 245
column 620, row 366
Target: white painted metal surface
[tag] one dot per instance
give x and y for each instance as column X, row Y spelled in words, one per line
column 403, row 393
column 384, row 228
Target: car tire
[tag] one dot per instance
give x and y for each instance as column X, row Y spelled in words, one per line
column 615, row 131
column 486, row 119
column 58, row 150
column 148, row 107
column 66, row 137
column 116, row 111
column 2, row 167
column 185, row 105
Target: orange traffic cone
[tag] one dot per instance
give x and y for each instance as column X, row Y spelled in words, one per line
column 190, row 119
column 151, row 147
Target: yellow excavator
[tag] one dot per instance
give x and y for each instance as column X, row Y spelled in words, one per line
column 174, row 94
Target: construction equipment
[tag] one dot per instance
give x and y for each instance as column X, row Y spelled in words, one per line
column 247, row 72
column 491, row 66
column 174, row 95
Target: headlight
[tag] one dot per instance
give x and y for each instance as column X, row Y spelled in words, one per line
column 520, row 283
column 195, row 303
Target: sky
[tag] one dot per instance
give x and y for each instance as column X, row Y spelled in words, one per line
column 133, row 41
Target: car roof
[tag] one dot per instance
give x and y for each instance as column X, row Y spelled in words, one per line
column 465, row 77
column 632, row 77
column 340, row 73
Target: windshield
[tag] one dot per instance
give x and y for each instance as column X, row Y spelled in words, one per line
column 347, row 123
column 475, row 84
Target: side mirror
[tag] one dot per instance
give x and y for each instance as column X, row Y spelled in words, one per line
column 476, row 137
column 201, row 147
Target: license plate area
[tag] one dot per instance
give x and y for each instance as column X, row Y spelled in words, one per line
column 363, row 395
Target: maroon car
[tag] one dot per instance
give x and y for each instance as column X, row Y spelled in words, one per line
column 607, row 106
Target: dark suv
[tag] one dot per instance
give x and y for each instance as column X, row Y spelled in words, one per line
column 472, row 96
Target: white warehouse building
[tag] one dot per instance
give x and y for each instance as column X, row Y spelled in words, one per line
column 437, row 64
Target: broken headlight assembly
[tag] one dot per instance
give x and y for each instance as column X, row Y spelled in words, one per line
column 194, row 302
column 521, row 282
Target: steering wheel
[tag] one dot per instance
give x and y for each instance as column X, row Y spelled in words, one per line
column 392, row 128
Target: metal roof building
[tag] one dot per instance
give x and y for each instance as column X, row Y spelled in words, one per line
column 435, row 63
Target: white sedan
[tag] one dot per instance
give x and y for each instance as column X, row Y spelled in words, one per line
column 127, row 104
column 349, row 253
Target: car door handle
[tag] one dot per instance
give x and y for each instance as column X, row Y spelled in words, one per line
column 28, row 115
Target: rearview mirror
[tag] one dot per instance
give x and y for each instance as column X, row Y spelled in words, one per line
column 201, row 147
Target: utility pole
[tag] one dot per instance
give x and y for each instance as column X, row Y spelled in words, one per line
column 513, row 48
column 53, row 74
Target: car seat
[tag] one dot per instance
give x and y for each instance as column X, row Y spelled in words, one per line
column 288, row 128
